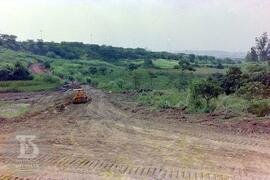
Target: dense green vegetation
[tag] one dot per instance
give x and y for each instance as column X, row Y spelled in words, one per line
column 76, row 50
column 155, row 79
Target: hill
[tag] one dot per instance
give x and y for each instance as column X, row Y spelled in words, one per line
column 217, row 54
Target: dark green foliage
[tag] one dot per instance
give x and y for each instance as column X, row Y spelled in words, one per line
column 255, row 83
column 131, row 67
column 47, row 64
column 263, row 47
column 9, row 41
column 254, row 90
column 192, row 58
column 148, row 63
column 200, row 91
column 71, row 78
column 219, row 66
column 93, row 70
column 232, row 80
column 185, row 65
column 77, row 50
column 176, row 67
column 103, row 70
column 89, row 80
column 217, row 78
column 51, row 54
column 18, row 72
column 261, row 51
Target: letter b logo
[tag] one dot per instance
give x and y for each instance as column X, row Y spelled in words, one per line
column 25, row 145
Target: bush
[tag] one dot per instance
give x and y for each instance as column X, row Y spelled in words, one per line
column 253, row 90
column 89, row 81
column 148, row 63
column 18, row 72
column 47, row 64
column 103, row 70
column 200, row 95
column 93, row 70
column 232, row 80
column 260, row 108
column 51, row 54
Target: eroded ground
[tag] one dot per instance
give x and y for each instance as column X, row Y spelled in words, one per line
column 106, row 139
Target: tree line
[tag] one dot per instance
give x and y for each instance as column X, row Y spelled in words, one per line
column 78, row 50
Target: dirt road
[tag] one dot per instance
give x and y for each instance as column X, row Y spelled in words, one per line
column 100, row 141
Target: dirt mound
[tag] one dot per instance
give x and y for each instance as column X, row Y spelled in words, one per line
column 38, row 68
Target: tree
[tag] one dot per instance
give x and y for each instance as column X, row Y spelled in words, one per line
column 9, row 41
column 263, row 47
column 192, row 58
column 252, row 56
column 232, row 80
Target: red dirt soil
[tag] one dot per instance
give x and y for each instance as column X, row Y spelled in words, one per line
column 38, row 68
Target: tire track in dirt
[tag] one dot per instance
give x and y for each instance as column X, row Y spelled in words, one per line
column 68, row 164
column 101, row 119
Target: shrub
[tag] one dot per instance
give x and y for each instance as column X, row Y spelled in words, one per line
column 94, row 83
column 93, row 70
column 232, row 103
column 148, row 63
column 89, row 80
column 232, row 80
column 51, row 54
column 18, row 72
column 254, row 90
column 200, row 91
column 47, row 64
column 103, row 70
column 260, row 108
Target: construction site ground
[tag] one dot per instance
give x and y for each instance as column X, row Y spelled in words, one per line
column 110, row 138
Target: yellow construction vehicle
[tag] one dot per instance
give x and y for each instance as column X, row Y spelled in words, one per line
column 80, row 96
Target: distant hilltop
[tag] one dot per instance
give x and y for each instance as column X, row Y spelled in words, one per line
column 217, row 54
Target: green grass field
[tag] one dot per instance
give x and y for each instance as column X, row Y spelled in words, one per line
column 27, row 86
column 165, row 64
column 169, row 88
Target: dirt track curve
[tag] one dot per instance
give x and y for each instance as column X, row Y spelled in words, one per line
column 100, row 141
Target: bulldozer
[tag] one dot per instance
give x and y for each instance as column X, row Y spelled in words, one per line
column 80, row 96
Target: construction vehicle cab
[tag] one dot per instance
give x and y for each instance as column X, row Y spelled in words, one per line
column 80, row 96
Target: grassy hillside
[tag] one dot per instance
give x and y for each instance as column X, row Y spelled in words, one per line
column 158, row 85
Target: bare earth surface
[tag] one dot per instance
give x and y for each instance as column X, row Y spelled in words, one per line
column 101, row 140
column 38, row 68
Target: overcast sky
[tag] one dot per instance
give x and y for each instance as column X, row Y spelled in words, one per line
column 173, row 25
